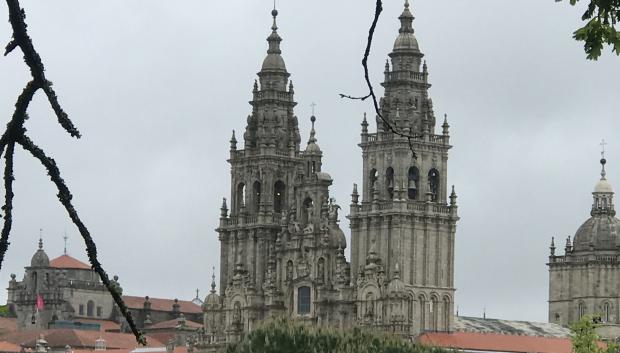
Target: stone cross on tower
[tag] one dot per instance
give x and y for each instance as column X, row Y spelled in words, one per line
column 65, row 238
column 313, row 105
column 603, row 144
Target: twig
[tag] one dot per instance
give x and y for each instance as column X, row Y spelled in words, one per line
column 15, row 133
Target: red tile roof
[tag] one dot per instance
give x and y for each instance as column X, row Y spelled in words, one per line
column 7, row 324
column 497, row 342
column 66, row 261
column 158, row 304
column 78, row 338
column 9, row 347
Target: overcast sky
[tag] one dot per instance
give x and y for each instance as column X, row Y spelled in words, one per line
column 157, row 86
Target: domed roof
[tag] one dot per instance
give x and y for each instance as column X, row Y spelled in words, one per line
column 600, row 231
column 603, row 186
column 337, row 237
column 274, row 62
column 212, row 300
column 406, row 41
column 396, row 285
column 40, row 258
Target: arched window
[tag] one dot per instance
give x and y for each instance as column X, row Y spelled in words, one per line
column 237, row 312
column 257, row 189
column 446, row 313
column 81, row 310
column 389, row 181
column 422, row 301
column 90, row 308
column 607, row 312
column 289, row 270
column 433, row 184
column 581, row 310
column 279, row 192
column 303, row 300
column 372, row 178
column 413, row 177
column 320, row 270
column 240, row 200
column 434, row 311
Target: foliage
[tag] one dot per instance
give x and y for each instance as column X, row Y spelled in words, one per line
column 602, row 17
column 585, row 339
column 4, row 311
column 285, row 336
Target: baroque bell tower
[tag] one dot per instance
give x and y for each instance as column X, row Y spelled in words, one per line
column 403, row 228
column 282, row 249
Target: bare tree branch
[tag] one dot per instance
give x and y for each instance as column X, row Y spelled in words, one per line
column 386, row 123
column 15, row 133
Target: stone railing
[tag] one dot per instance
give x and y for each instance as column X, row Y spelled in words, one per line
column 270, row 94
column 405, row 75
column 389, row 136
column 419, row 206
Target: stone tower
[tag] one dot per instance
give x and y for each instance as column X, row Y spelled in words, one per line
column 584, row 281
column 403, row 229
column 282, row 250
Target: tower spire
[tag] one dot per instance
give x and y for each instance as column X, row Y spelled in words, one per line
column 40, row 238
column 406, row 19
column 274, row 38
column 213, row 281
column 65, row 239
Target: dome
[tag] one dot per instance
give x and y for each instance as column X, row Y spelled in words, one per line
column 337, row 237
column 396, row 285
column 600, row 230
column 603, row 186
column 212, row 300
column 406, row 41
column 313, row 148
column 40, row 258
column 274, row 62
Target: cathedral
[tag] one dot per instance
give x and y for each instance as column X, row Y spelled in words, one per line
column 584, row 281
column 281, row 245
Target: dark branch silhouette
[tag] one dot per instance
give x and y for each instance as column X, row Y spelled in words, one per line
column 386, row 124
column 15, row 133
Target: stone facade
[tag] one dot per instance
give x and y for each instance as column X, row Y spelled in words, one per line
column 584, row 281
column 282, row 249
column 68, row 289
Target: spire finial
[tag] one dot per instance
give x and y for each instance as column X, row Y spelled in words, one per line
column 65, row 238
column 603, row 160
column 274, row 13
column 213, row 281
column 40, row 238
column 312, row 138
column 197, row 293
column 313, row 105
column 406, row 19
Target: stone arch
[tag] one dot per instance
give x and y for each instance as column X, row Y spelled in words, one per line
column 446, row 312
column 240, row 197
column 434, row 309
column 422, row 300
column 433, row 184
column 307, row 210
column 372, row 179
column 279, row 196
column 413, row 183
column 257, row 189
column 304, row 300
column 389, row 182
column 581, row 309
column 90, row 308
column 607, row 311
